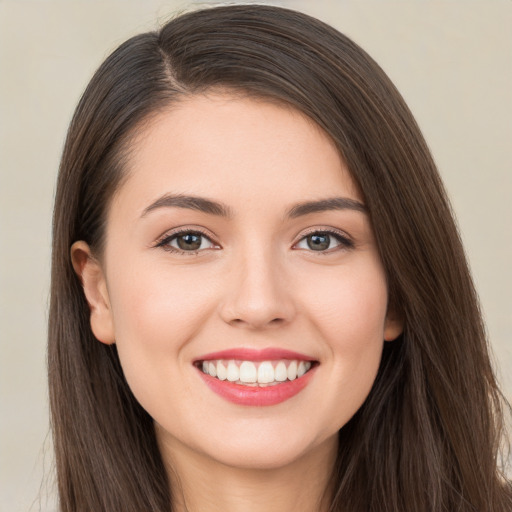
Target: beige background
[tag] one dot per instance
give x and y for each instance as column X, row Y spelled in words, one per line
column 452, row 61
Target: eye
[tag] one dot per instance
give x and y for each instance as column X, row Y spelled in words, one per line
column 187, row 241
column 324, row 241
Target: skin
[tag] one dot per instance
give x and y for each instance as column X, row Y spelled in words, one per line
column 254, row 283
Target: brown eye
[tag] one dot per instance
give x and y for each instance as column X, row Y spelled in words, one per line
column 189, row 242
column 186, row 242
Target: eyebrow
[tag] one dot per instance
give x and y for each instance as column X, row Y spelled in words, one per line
column 334, row 203
column 219, row 209
column 200, row 204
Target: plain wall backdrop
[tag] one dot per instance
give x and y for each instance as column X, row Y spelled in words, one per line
column 451, row 59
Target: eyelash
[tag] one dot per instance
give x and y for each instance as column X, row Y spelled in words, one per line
column 167, row 239
column 344, row 241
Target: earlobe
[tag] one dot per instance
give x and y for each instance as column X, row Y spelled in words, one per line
column 393, row 327
column 90, row 273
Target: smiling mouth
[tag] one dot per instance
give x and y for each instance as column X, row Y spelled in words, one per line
column 255, row 373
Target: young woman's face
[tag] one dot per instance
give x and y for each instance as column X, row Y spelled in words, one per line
column 239, row 246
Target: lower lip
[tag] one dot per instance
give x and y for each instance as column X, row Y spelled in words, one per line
column 255, row 395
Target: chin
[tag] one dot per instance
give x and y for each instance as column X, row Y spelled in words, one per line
column 256, row 458
column 266, row 450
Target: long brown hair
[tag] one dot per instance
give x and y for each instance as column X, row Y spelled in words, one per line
column 427, row 437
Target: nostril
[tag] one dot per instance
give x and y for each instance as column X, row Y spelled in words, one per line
column 256, row 324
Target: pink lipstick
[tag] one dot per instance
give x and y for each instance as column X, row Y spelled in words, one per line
column 256, row 377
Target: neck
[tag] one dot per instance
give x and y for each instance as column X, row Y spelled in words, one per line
column 200, row 484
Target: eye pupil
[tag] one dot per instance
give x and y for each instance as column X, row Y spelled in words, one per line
column 189, row 242
column 318, row 242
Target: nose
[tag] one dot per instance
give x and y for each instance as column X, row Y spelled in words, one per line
column 257, row 294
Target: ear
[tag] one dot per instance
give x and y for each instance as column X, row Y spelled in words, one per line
column 393, row 326
column 94, row 283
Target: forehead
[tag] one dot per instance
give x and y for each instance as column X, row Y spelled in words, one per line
column 243, row 151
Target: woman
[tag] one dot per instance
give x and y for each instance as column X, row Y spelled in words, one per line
column 259, row 297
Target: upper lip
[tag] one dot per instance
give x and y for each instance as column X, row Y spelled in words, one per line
column 250, row 354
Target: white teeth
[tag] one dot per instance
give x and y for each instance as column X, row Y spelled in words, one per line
column 281, row 374
column 256, row 373
column 265, row 373
column 233, row 372
column 222, row 372
column 292, row 370
column 248, row 372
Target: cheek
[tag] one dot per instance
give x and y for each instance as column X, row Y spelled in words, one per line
column 350, row 314
column 167, row 304
column 155, row 315
column 349, row 306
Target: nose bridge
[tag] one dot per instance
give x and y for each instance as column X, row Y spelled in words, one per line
column 258, row 294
